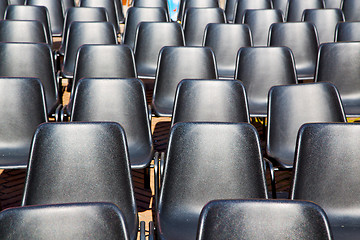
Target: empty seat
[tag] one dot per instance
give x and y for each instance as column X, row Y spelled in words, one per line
column 351, row 9
column 347, row 31
column 243, row 5
column 296, row 8
column 325, row 21
column 22, row 31
column 196, row 4
column 225, row 40
column 19, row 119
column 81, row 162
column 259, row 22
column 221, row 161
column 301, row 38
column 153, row 3
column 339, row 63
column 176, row 64
column 259, row 69
column 327, row 173
column 63, row 221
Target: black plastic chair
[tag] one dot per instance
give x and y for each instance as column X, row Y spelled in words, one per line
column 81, row 162
column 258, row 219
column 333, row 3
column 326, row 172
column 63, row 221
column 174, row 65
column 33, row 60
column 292, row 106
column 347, row 31
column 55, row 13
column 3, row 5
column 135, row 15
column 81, row 14
column 16, row 2
column 122, row 101
column 281, row 5
column 152, row 4
column 19, row 119
column 150, row 38
column 243, row 5
column 81, row 33
column 22, row 31
column 302, row 39
column 210, row 100
column 67, row 4
column 259, row 22
column 259, row 69
column 296, row 8
column 325, row 21
column 225, row 40
column 351, row 9
column 221, row 161
column 38, row 13
column 196, row 4
column 195, row 21
column 346, row 77
column 111, row 9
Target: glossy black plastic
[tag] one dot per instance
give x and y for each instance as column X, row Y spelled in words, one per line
column 195, row 21
column 296, row 8
column 22, row 105
column 346, row 79
column 259, row 22
column 118, row 100
column 55, row 13
column 196, row 4
column 347, row 31
column 281, row 5
column 22, row 31
column 67, row 4
column 64, row 221
column 3, row 5
column 152, row 3
column 292, row 106
column 243, row 5
column 225, row 40
column 120, row 11
column 259, row 69
column 302, row 39
column 259, row 219
column 81, row 33
column 176, row 64
column 81, row 162
column 351, row 9
column 135, row 15
column 333, row 3
column 150, row 38
column 16, row 2
column 204, row 162
column 210, row 100
column 229, row 10
column 327, row 173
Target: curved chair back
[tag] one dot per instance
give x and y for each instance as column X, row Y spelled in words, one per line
column 22, row 31
column 333, row 3
column 81, row 162
column 176, row 64
column 351, row 9
column 281, row 5
column 196, row 4
column 19, row 119
column 150, row 38
column 67, row 4
column 210, row 100
column 290, row 107
column 225, row 40
column 243, row 5
column 16, row 2
column 259, row 69
column 254, row 219
column 302, row 39
column 64, row 221
column 3, row 6
column 347, row 31
column 296, row 8
column 117, row 100
column 346, row 79
column 152, row 4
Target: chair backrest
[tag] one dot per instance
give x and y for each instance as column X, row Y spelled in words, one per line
column 111, row 9
column 259, row 69
column 19, row 118
column 225, row 40
column 254, row 219
column 55, row 13
column 199, row 63
column 345, row 78
column 259, row 22
column 290, row 107
column 333, row 3
column 38, row 13
column 221, row 161
column 296, row 8
column 150, row 38
column 301, row 38
column 326, row 171
column 33, row 60
column 151, row 4
column 81, row 162
column 81, row 33
column 81, row 14
column 196, row 4
column 243, row 5
column 325, row 21
column 22, row 31
column 347, row 31
column 107, row 61
column 3, row 6
column 118, row 100
column 67, row 4
column 135, row 15
column 351, row 9
column 16, row 2
column 210, row 100
column 281, row 5
column 64, row 221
